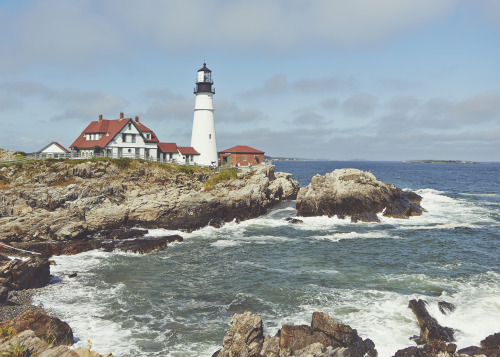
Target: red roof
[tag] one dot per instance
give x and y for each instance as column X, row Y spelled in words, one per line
column 143, row 127
column 55, row 143
column 188, row 150
column 110, row 128
column 242, row 149
column 167, row 147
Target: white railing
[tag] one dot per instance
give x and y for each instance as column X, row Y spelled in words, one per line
column 87, row 156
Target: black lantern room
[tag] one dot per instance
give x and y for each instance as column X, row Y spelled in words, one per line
column 204, row 82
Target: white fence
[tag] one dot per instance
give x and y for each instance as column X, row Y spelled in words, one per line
column 86, row 156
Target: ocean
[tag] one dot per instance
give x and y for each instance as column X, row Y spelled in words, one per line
column 179, row 301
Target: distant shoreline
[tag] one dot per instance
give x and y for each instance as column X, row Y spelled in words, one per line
column 440, row 162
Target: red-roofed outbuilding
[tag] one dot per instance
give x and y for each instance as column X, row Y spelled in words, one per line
column 242, row 155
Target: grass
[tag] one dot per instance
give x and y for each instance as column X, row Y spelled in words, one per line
column 220, row 177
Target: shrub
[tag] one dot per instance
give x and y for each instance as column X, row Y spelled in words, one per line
column 220, row 177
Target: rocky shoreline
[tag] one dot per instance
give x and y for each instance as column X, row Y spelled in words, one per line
column 63, row 207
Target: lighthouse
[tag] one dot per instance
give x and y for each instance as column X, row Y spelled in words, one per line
column 203, row 134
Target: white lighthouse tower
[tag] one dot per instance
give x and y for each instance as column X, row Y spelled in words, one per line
column 203, row 134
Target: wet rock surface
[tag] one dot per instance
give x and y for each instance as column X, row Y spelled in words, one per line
column 323, row 338
column 357, row 194
column 436, row 340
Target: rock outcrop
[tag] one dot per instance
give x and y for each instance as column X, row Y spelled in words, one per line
column 18, row 274
column 38, row 334
column 358, row 194
column 68, row 200
column 436, row 340
column 49, row 328
column 323, row 338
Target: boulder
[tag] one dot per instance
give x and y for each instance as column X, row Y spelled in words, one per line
column 40, row 347
column 46, row 327
column 245, row 338
column 323, row 338
column 491, row 345
column 355, row 193
column 430, row 330
column 25, row 274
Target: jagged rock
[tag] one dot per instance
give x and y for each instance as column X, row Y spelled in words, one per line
column 293, row 220
column 355, row 193
column 31, row 273
column 44, row 326
column 446, row 307
column 324, row 338
column 245, row 337
column 430, row 329
column 491, row 345
column 36, row 346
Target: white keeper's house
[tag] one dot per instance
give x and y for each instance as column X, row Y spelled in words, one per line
column 127, row 137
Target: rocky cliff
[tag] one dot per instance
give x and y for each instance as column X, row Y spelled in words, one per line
column 68, row 200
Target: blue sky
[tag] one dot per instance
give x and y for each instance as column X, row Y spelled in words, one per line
column 328, row 79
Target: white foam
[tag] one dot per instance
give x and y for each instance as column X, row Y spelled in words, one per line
column 79, row 304
column 337, row 237
column 225, row 243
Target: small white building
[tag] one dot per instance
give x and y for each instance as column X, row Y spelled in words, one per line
column 54, row 150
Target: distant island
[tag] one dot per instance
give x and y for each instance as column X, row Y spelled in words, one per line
column 441, row 162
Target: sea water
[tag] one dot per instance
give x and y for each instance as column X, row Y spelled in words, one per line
column 179, row 301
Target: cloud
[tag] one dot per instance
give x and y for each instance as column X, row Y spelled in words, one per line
column 282, row 25
column 58, row 31
column 9, row 102
column 70, row 103
column 81, row 33
column 332, row 84
column 230, row 112
column 86, row 105
column 279, row 84
column 309, row 117
column 360, row 105
column 330, row 103
column 479, row 108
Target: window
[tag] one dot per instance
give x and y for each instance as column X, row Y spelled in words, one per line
column 244, row 157
column 210, row 136
column 133, row 138
column 129, row 150
column 129, row 126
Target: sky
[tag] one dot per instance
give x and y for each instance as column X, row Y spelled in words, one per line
column 316, row 79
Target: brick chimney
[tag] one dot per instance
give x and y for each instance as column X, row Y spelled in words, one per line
column 136, row 118
column 121, row 115
column 100, row 117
